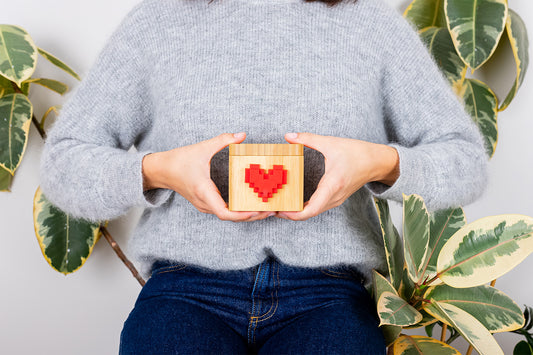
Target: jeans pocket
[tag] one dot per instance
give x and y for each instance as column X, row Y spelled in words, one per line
column 343, row 272
column 335, row 272
column 156, row 270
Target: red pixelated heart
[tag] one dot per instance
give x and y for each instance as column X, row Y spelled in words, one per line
column 265, row 183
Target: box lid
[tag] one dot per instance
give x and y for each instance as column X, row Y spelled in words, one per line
column 266, row 149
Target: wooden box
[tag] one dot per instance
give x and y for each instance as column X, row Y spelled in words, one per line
column 266, row 177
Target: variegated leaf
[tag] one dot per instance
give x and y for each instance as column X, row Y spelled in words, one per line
column 6, row 86
column 427, row 319
column 492, row 308
column 440, row 45
column 380, row 284
column 392, row 242
column 15, row 119
column 485, row 249
column 18, row 54
column 517, row 33
column 482, row 105
column 390, row 333
column 443, row 224
column 394, row 310
column 51, row 84
column 407, row 286
column 468, row 326
column 421, row 345
column 5, row 180
column 65, row 242
column 425, row 13
column 415, row 235
column 476, row 27
column 58, row 63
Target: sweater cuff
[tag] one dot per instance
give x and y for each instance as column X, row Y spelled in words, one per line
column 409, row 179
column 150, row 198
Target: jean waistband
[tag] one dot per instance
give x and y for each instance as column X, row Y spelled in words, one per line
column 295, row 271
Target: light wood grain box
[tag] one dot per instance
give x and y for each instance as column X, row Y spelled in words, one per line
column 273, row 188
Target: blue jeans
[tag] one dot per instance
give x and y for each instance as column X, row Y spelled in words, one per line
column 272, row 308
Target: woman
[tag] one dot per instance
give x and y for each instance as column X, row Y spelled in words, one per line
column 177, row 79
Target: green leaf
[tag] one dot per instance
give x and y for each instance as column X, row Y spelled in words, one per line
column 407, row 286
column 18, row 54
column 58, row 63
column 5, row 179
column 380, row 284
column 15, row 119
column 421, row 345
column 429, row 329
column 517, row 34
column 392, row 242
column 476, row 27
column 390, row 333
column 523, row 348
column 485, row 249
column 482, row 105
column 427, row 319
column 443, row 224
column 53, row 85
column 440, row 45
column 65, row 242
column 492, row 308
column 415, row 235
column 394, row 310
column 468, row 326
column 425, row 13
column 6, row 86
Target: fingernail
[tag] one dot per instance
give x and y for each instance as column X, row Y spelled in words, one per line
column 271, row 214
column 292, row 135
column 238, row 135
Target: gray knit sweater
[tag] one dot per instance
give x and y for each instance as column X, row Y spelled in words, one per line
column 176, row 72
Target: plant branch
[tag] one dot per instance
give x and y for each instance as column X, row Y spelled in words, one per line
column 443, row 333
column 121, row 255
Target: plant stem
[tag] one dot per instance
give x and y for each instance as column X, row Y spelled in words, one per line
column 38, row 126
column 443, row 333
column 121, row 255
column 452, row 338
column 469, row 351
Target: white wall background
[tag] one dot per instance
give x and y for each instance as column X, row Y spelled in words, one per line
column 45, row 312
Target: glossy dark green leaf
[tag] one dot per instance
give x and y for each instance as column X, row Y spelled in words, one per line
column 476, row 27
column 15, row 119
column 65, row 242
column 18, row 54
column 482, row 105
column 517, row 34
column 392, row 241
column 440, row 45
column 415, row 235
column 5, row 180
column 58, row 63
column 426, row 13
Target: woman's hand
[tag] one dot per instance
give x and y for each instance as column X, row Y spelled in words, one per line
column 186, row 170
column 349, row 165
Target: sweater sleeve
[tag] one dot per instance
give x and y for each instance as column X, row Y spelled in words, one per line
column 441, row 150
column 85, row 167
